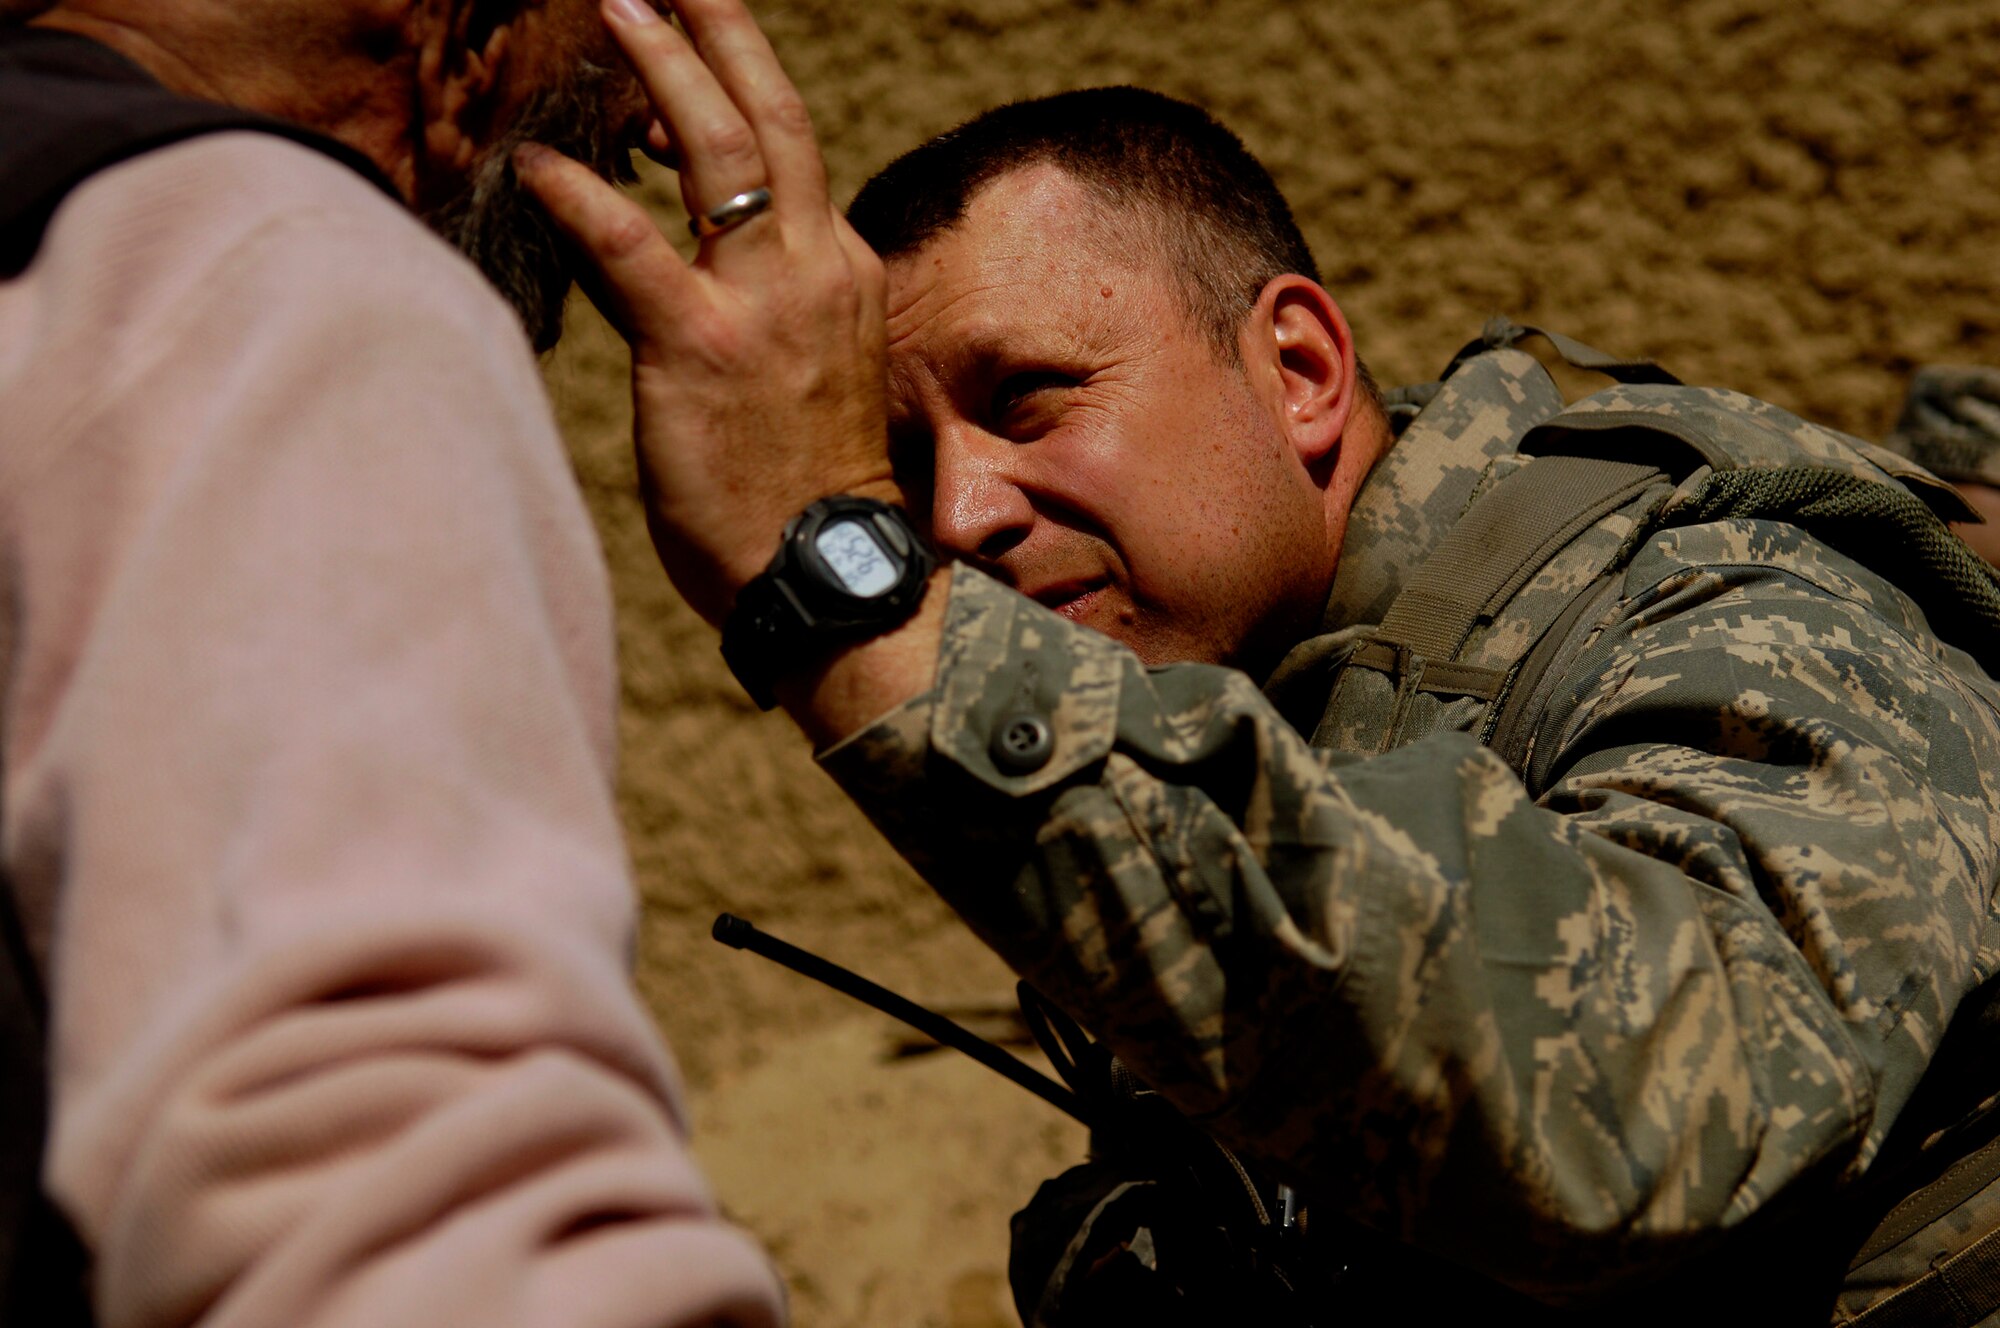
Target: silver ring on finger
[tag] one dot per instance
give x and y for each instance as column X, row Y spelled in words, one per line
column 728, row 216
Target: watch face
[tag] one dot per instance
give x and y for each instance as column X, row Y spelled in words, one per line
column 864, row 567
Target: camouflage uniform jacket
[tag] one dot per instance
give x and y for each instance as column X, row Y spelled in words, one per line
column 1565, row 1037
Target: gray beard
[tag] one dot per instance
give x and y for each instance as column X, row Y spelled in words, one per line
column 498, row 224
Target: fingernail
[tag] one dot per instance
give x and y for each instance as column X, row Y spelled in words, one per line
column 631, row 11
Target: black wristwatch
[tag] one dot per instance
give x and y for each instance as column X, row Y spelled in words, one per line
column 847, row 569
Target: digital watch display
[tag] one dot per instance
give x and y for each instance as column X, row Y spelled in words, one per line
column 853, row 554
column 846, row 569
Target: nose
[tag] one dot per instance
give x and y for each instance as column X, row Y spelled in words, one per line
column 978, row 508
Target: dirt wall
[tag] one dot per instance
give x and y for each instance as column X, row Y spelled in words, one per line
column 1796, row 200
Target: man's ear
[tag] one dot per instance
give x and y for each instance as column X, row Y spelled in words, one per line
column 461, row 56
column 1296, row 344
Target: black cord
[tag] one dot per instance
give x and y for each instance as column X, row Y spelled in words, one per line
column 742, row 935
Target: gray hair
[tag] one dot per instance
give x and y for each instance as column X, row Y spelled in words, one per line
column 493, row 219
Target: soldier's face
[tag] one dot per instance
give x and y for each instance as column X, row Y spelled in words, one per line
column 1061, row 424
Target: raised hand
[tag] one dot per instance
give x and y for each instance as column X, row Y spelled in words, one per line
column 757, row 369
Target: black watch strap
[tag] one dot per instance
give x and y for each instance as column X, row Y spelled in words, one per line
column 846, row 569
column 766, row 626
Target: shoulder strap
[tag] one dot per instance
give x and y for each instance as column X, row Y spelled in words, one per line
column 1502, row 540
column 1578, row 370
column 1506, row 537
column 70, row 108
column 1957, row 1292
column 1510, row 533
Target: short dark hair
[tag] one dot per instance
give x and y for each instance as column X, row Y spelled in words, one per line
column 1223, row 228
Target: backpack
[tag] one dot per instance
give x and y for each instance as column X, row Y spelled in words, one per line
column 1507, row 594
column 1480, row 632
column 69, row 108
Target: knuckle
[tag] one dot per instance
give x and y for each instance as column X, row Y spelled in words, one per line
column 787, row 110
column 837, row 287
column 710, row 341
column 840, row 278
column 717, row 340
column 730, row 142
column 627, row 234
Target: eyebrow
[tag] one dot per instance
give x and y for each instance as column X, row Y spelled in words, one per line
column 987, row 347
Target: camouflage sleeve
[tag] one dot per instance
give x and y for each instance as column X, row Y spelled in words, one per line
column 1561, row 1040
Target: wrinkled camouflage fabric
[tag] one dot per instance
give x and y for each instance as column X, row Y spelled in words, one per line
column 1565, row 1039
column 1951, row 423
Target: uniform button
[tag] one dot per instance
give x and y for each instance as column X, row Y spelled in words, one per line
column 1022, row 744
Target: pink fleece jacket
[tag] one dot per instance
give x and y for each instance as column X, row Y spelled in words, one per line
column 307, row 760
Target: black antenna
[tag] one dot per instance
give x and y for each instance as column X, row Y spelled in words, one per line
column 742, row 935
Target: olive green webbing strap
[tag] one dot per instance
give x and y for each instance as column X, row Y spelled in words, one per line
column 1576, row 369
column 1508, row 534
column 1963, row 1179
column 1503, row 539
column 1619, row 368
column 1956, row 1293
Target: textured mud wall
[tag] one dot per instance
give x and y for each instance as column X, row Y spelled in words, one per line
column 1797, row 200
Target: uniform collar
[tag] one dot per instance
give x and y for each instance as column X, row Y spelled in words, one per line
column 1415, row 493
column 1421, row 486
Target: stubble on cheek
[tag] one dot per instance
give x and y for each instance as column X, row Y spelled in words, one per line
column 1253, row 577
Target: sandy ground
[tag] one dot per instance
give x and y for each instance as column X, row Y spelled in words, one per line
column 1796, row 200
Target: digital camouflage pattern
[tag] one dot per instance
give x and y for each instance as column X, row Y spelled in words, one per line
column 1565, row 1038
